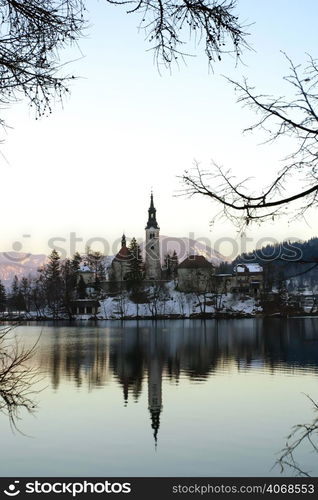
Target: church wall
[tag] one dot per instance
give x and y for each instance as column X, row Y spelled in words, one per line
column 119, row 270
column 194, row 280
column 152, row 254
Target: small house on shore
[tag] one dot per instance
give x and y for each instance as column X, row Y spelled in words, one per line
column 195, row 274
column 246, row 279
column 84, row 307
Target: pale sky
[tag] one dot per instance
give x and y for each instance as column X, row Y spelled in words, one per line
column 89, row 167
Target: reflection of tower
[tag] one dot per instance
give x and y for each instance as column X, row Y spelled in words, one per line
column 127, row 362
column 152, row 261
column 154, row 386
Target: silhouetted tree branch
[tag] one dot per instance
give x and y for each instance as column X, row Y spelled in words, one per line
column 17, row 377
column 33, row 32
column 300, row 434
column 296, row 118
column 169, row 24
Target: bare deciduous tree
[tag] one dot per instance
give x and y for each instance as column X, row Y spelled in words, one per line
column 295, row 118
column 17, row 377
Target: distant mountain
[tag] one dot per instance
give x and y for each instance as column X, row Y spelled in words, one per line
column 183, row 247
column 19, row 264
column 186, row 246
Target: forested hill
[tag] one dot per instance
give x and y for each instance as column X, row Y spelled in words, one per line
column 296, row 262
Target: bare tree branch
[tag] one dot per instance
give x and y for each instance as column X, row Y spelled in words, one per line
column 17, row 377
column 169, row 24
column 301, row 433
column 296, row 118
column 32, row 34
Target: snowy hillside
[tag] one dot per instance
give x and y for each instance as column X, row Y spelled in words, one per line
column 177, row 304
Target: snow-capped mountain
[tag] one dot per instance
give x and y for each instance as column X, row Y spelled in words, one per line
column 187, row 246
column 19, row 264
column 183, row 247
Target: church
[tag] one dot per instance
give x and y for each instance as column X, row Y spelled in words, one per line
column 120, row 266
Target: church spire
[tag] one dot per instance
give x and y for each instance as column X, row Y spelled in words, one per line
column 155, row 424
column 151, row 201
column 152, row 221
column 123, row 240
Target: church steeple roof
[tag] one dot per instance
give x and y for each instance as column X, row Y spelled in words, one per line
column 155, row 423
column 152, row 221
column 124, row 253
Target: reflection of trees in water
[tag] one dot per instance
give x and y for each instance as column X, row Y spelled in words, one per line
column 133, row 352
column 291, row 343
column 17, row 377
column 194, row 349
column 84, row 359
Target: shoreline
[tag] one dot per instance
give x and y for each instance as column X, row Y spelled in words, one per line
column 173, row 317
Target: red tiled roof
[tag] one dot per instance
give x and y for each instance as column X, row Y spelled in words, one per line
column 195, row 262
column 123, row 254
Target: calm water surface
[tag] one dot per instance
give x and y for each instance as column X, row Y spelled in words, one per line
column 172, row 398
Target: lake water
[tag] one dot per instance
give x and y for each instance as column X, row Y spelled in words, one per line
column 168, row 398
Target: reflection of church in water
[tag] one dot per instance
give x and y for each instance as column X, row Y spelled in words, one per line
column 154, row 387
column 134, row 355
column 130, row 375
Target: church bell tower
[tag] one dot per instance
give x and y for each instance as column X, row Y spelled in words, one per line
column 152, row 259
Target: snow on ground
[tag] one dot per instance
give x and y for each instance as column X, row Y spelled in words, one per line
column 173, row 303
column 163, row 301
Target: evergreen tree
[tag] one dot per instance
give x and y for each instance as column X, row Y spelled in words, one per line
column 135, row 263
column 96, row 262
column 14, row 292
column 171, row 264
column 81, row 288
column 3, row 297
column 25, row 290
column 135, row 275
column 17, row 303
column 38, row 295
column 69, row 276
column 53, row 283
column 76, row 262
